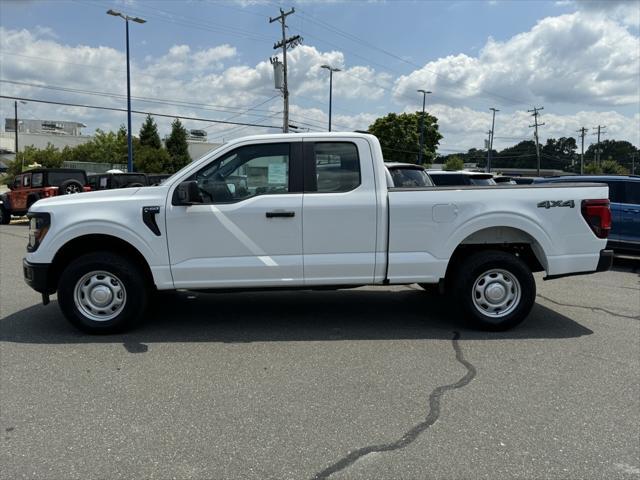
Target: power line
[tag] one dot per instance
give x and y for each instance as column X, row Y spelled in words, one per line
column 97, row 107
column 178, row 103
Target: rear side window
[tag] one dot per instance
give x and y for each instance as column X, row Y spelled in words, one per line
column 17, row 181
column 26, row 180
column 632, row 192
column 36, row 179
column 448, row 180
column 337, row 166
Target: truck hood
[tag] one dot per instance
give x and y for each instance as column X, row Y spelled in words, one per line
column 87, row 198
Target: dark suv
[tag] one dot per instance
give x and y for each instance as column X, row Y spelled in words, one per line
column 30, row 186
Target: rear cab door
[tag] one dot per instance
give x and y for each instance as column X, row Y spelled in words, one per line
column 340, row 210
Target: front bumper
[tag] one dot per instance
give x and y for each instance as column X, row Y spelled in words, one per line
column 36, row 275
column 604, row 263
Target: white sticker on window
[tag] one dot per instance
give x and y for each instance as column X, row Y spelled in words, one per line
column 277, row 173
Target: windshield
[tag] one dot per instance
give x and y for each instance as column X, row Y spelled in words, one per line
column 410, row 177
column 482, row 181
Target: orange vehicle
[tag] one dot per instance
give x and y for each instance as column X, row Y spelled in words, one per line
column 30, row 186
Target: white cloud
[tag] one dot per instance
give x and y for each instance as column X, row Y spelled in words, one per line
column 576, row 58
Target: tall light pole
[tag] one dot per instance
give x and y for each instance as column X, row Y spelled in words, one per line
column 490, row 152
column 424, row 101
column 129, row 142
column 331, row 70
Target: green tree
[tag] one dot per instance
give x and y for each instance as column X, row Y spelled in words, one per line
column 150, row 160
column 399, row 136
column 149, row 136
column 177, row 147
column 611, row 167
column 454, row 163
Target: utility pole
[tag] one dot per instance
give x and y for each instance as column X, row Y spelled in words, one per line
column 424, row 101
column 633, row 163
column 15, row 119
column 489, row 151
column 284, row 43
column 582, row 132
column 535, row 114
column 597, row 157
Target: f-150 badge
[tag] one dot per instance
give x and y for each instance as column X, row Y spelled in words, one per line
column 556, row 203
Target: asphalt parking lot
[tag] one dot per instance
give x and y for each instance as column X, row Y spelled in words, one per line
column 375, row 383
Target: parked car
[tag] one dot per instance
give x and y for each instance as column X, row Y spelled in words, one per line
column 443, row 178
column 309, row 211
column 408, row 175
column 108, row 181
column 624, row 194
column 32, row 185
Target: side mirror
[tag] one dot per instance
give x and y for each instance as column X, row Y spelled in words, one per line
column 187, row 193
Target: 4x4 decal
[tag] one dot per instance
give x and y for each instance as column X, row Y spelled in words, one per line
column 557, row 203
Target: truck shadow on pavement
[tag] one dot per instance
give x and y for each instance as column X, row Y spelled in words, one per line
column 286, row 316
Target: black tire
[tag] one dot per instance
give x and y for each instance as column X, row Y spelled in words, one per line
column 120, row 276
column 69, row 187
column 490, row 276
column 5, row 216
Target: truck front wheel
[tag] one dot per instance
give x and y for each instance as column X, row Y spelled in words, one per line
column 496, row 290
column 102, row 293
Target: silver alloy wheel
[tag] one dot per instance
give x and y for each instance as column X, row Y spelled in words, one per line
column 496, row 293
column 71, row 188
column 100, row 296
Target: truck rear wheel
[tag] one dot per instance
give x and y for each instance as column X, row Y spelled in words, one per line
column 102, row 293
column 495, row 290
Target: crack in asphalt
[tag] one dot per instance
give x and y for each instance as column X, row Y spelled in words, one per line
column 411, row 435
column 593, row 309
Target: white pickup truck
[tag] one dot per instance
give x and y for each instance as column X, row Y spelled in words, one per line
column 309, row 211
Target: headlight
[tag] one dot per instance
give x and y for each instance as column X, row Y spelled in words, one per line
column 38, row 227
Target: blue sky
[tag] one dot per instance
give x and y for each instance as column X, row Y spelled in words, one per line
column 577, row 58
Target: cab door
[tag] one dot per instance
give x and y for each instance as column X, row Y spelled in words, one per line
column 629, row 231
column 340, row 213
column 247, row 230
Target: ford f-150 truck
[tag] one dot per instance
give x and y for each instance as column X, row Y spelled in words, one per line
column 309, row 211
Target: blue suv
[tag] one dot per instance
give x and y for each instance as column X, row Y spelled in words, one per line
column 624, row 194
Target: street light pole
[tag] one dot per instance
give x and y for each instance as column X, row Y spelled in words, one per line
column 129, row 137
column 424, row 101
column 15, row 119
column 331, row 70
column 490, row 153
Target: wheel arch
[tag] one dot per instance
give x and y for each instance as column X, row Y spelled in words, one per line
column 93, row 243
column 507, row 239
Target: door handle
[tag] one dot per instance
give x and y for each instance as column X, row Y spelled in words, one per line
column 280, row 213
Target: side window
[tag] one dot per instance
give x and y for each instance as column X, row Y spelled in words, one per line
column 616, row 192
column 36, row 179
column 337, row 166
column 632, row 193
column 17, row 182
column 26, row 180
column 246, row 172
